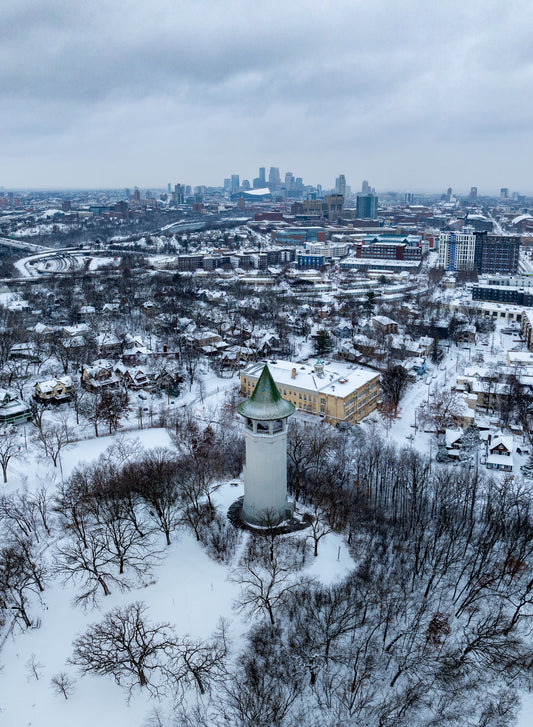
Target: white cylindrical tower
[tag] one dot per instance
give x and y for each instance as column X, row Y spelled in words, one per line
column 265, row 473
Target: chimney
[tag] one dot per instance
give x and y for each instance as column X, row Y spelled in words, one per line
column 293, row 374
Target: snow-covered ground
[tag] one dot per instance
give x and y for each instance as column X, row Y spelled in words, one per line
column 188, row 590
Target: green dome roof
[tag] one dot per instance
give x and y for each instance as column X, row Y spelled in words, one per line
column 266, row 403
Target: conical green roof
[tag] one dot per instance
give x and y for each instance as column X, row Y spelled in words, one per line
column 266, row 402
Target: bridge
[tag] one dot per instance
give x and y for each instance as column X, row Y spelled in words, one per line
column 21, row 245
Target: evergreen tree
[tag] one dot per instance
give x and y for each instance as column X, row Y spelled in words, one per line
column 323, row 343
column 370, row 302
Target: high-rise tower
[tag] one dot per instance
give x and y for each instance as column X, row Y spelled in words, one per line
column 274, row 180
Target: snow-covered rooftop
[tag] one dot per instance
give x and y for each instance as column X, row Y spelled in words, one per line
column 338, row 379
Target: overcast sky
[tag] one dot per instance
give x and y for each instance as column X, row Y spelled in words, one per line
column 409, row 94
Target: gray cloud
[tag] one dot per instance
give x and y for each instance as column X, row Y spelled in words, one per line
column 411, row 94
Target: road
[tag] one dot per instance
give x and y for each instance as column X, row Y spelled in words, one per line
column 20, row 245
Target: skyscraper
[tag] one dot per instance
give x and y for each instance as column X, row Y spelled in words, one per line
column 367, row 207
column 340, row 185
column 235, row 183
column 179, row 194
column 365, row 187
column 262, row 176
column 274, row 180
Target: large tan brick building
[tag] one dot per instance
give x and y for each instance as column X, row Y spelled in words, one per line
column 336, row 391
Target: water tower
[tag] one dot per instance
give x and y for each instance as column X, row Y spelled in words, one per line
column 265, row 474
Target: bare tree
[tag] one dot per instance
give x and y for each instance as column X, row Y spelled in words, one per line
column 319, row 525
column 264, row 588
column 126, row 646
column 154, row 478
column 53, row 438
column 41, row 498
column 308, row 449
column 63, row 684
column 440, row 412
column 34, row 667
column 198, row 663
column 113, row 405
column 20, row 514
column 38, row 410
column 91, row 564
column 190, row 359
column 393, row 384
column 78, row 396
column 10, row 448
column 18, row 581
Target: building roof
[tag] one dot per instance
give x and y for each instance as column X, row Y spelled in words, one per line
column 266, row 403
column 337, row 379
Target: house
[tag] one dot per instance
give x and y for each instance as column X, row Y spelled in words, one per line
column 500, row 453
column 13, row 410
column 40, row 329
column 98, row 376
column 267, row 345
column 53, row 391
column 110, row 307
column 168, row 382
column 364, row 345
column 465, row 334
column 454, row 445
column 135, row 352
column 26, row 350
column 205, row 338
column 133, row 377
column 453, row 439
column 384, row 325
column 108, row 344
column 80, row 329
column 234, row 356
column 418, row 366
column 342, row 332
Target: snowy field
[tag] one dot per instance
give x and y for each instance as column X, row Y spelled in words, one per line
column 188, row 590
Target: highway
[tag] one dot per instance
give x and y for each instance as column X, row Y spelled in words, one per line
column 21, row 245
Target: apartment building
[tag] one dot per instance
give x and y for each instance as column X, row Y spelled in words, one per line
column 457, row 250
column 335, row 391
